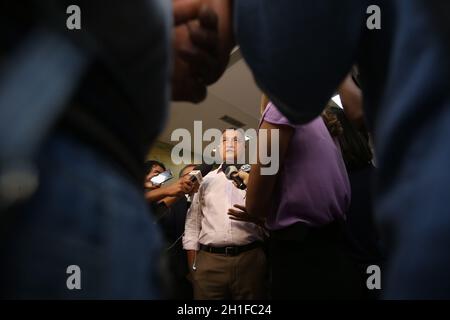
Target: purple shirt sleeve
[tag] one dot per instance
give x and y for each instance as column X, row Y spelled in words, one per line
column 273, row 116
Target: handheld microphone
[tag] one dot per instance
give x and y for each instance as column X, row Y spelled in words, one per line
column 231, row 172
column 196, row 175
column 200, row 171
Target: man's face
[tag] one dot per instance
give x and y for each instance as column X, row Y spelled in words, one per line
column 153, row 173
column 232, row 144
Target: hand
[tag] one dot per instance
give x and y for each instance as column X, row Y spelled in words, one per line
column 200, row 53
column 195, row 188
column 148, row 185
column 186, row 84
column 244, row 176
column 195, row 45
column 181, row 187
column 239, row 213
column 191, row 258
column 184, row 87
column 185, row 10
column 213, row 34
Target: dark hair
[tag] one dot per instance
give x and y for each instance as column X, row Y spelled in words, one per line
column 148, row 165
column 184, row 168
column 332, row 122
column 354, row 143
column 230, row 129
column 240, row 130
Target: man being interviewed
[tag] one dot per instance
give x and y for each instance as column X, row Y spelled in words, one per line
column 225, row 257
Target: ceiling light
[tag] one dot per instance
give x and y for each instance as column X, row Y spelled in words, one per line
column 337, row 100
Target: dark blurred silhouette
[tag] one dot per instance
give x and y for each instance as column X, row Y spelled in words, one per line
column 79, row 110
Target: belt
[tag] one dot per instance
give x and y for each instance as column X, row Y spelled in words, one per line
column 231, row 250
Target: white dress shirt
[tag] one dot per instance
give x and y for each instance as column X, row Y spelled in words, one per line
column 207, row 220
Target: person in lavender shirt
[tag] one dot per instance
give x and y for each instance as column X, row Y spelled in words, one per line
column 304, row 205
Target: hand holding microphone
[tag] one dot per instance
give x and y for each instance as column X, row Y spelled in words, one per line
column 181, row 187
column 239, row 176
column 196, row 176
column 244, row 176
column 188, row 184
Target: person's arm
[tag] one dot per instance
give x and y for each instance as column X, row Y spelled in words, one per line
column 169, row 201
column 186, row 86
column 202, row 43
column 156, row 195
column 260, row 187
column 352, row 100
column 177, row 189
column 192, row 229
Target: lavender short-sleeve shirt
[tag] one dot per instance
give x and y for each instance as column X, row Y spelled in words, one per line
column 313, row 185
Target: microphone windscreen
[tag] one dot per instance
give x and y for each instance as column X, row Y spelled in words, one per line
column 204, row 168
column 230, row 170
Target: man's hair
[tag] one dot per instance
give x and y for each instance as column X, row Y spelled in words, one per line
column 148, row 165
column 229, row 129
column 184, row 168
column 240, row 130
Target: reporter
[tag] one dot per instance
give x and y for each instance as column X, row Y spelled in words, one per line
column 172, row 226
column 171, row 193
column 152, row 169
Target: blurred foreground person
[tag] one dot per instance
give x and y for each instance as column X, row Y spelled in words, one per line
column 405, row 78
column 361, row 232
column 94, row 100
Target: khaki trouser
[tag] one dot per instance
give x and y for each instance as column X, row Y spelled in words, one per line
column 241, row 277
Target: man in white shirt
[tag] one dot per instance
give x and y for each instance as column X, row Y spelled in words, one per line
column 225, row 256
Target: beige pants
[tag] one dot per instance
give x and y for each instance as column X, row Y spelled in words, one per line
column 241, row 277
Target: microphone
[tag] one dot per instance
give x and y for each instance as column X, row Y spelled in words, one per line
column 231, row 172
column 196, row 175
column 200, row 171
